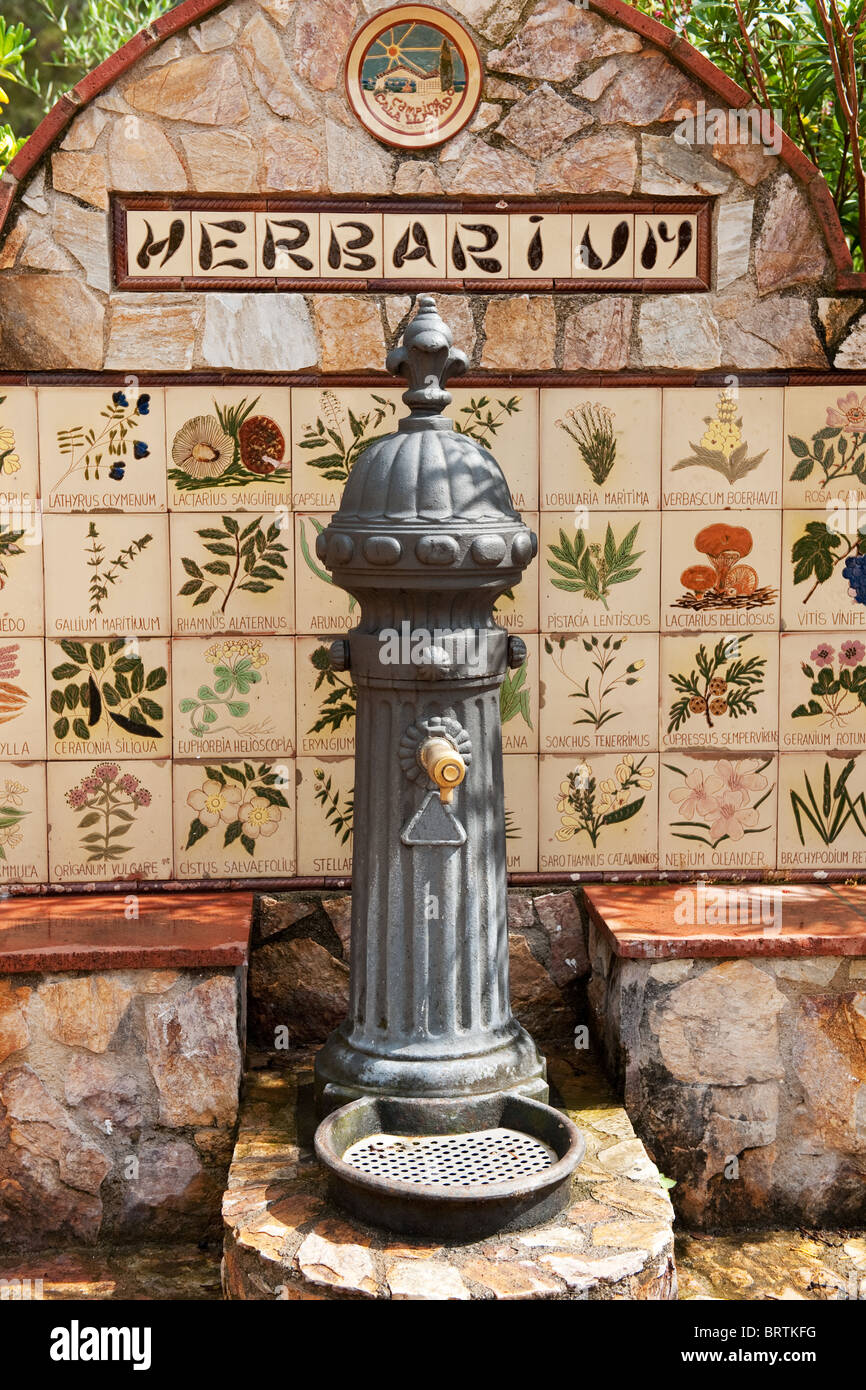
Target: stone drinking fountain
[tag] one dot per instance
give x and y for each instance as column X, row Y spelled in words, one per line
column 434, row 1096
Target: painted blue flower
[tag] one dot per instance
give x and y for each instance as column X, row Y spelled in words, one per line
column 142, row 405
column 120, row 399
column 139, row 449
column 117, row 471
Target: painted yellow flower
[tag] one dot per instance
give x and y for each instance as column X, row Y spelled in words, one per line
column 13, row 793
column 624, row 769
column 9, row 460
column 10, row 837
column 213, row 802
column 259, row 817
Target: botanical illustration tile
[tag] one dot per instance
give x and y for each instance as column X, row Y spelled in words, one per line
column 665, row 247
column 22, row 698
column 108, row 699
column 721, row 448
column 518, row 703
column 517, row 609
column 23, row 823
column 823, row 691
column 602, row 246
column 158, row 243
column 600, row 574
column 717, row 811
column 599, row 692
column 109, row 819
column 823, row 572
column 350, row 245
column 520, row 773
column 477, row 246
column 414, row 245
column 232, row 573
column 233, row 697
column 540, row 246
column 720, row 570
column 223, row 244
column 506, row 423
column 287, row 244
column 598, row 813
column 234, row 819
column 106, row 576
column 326, row 701
column 822, row 811
column 720, row 691
column 601, row 449
column 22, row 610
column 320, row 607
column 825, row 444
column 331, row 428
column 19, row 451
column 228, row 448
column 325, row 815
column 102, row 450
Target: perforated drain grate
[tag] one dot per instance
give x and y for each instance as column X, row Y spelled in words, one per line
column 478, row 1159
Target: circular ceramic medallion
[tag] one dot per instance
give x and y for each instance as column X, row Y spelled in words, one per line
column 413, row 76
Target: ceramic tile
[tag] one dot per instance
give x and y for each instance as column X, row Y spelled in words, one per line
column 717, row 812
column 822, row 812
column 158, row 243
column 477, row 246
column 330, row 429
column 822, row 676
column 24, row 832
column 234, row 819
column 598, row 813
column 539, row 246
column 21, row 556
column 520, row 773
column 506, row 423
column 518, row 703
column 106, row 576
column 817, row 592
column 320, row 607
column 19, row 451
column 102, row 450
column 228, row 448
column 720, row 691
column 22, row 698
column 720, row 570
column 109, row 820
column 287, row 244
column 599, row 691
column 350, row 245
column 223, row 244
column 599, row 575
column 233, row 697
column 517, row 609
column 825, row 444
column 665, row 246
column 414, row 245
column 232, row 573
column 601, row 449
column 108, row 699
column 325, row 813
column 325, row 701
column 602, row 246
column 721, row 449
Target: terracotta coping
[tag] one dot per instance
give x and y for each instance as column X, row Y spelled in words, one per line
column 679, row 50
column 640, row 923
column 183, row 930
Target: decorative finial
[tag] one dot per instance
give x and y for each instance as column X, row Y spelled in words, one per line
column 426, row 359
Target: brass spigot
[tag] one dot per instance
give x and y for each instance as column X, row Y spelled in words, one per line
column 443, row 765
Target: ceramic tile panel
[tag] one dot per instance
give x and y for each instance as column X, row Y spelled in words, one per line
column 233, row 697
column 228, row 448
column 720, row 571
column 234, row 819
column 106, row 576
column 822, row 812
column 823, row 572
column 22, row 608
column 108, row 699
column 601, row 449
column 598, row 813
column 325, row 801
column 823, row 691
column 320, row 607
column 287, row 244
column 665, row 246
column 520, row 772
column 477, row 246
column 19, row 453
column 223, row 244
column 722, row 448
column 330, row 429
column 599, row 692
column 325, row 701
column 539, row 246
column 109, row 819
column 506, row 423
column 717, row 811
column 602, row 246
column 825, row 444
column 232, row 573
column 23, row 823
column 22, row 699
column 414, row 245
column 599, row 571
column 350, row 245
column 720, row 691
column 517, row 609
column 159, row 243
column 102, row 449
column 518, row 703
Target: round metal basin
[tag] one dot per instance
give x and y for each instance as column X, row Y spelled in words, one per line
column 460, row 1170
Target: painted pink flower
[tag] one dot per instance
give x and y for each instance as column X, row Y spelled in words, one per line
column 851, row 652
column 91, row 784
column 737, row 782
column 823, row 654
column 106, row 772
column 849, row 415
column 694, row 798
column 142, row 797
column 733, row 820
column 127, row 783
column 76, row 798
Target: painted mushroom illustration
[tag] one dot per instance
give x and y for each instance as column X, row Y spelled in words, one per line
column 725, row 582
column 202, row 448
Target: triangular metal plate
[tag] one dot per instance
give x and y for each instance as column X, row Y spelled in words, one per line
column 434, row 824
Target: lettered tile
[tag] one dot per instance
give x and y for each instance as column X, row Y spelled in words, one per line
column 720, row 570
column 109, row 699
column 601, row 449
column 21, row 593
column 19, row 450
column 106, row 575
column 287, row 244
column 320, row 607
column 517, row 609
column 326, row 701
column 233, row 697
column 234, row 819
column 414, row 246
column 540, row 246
column 721, row 449
column 158, row 243
column 520, row 771
column 825, row 445
column 350, row 245
column 666, row 246
column 717, row 811
column 817, row 593
column 22, row 698
column 616, row 587
column 822, row 676
column 232, row 573
column 518, row 704
column 24, row 832
column 506, row 424
column 822, row 812
column 602, row 246
column 598, row 812
column 599, row 692
column 228, row 448
column 477, row 246
column 102, row 450
column 720, row 691
column 331, row 429
column 109, row 820
column 223, row 244
column 325, row 815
